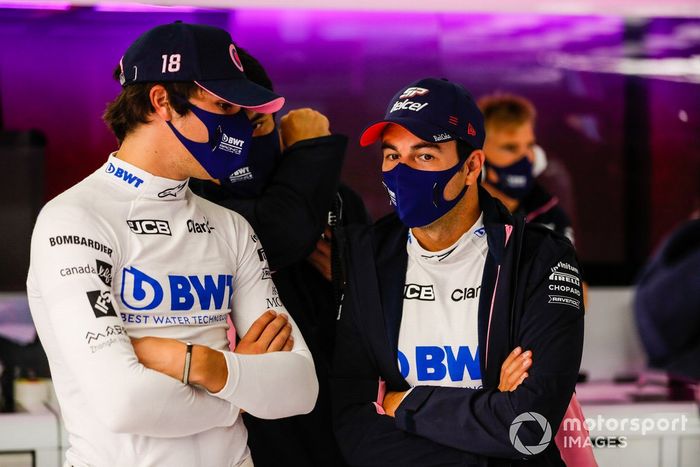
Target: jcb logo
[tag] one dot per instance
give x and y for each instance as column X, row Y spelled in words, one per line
column 413, row 92
column 419, row 292
column 149, row 227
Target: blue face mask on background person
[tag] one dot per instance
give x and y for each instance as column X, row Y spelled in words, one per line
column 514, row 180
column 229, row 141
column 251, row 180
column 418, row 194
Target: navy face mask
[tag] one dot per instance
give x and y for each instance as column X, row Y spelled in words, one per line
column 249, row 181
column 418, row 194
column 514, row 180
column 229, row 141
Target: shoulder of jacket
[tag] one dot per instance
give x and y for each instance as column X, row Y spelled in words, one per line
column 544, row 244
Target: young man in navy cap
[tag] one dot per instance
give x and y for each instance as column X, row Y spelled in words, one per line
column 130, row 252
column 461, row 331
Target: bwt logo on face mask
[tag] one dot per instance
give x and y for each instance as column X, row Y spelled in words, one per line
column 140, row 291
column 122, row 174
column 231, row 144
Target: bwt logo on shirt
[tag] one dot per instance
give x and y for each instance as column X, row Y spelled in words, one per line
column 435, row 363
column 139, row 291
column 124, row 175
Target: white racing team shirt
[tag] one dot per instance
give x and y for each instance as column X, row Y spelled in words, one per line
column 438, row 338
column 127, row 254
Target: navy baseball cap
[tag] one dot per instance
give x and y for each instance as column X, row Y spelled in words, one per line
column 193, row 52
column 434, row 110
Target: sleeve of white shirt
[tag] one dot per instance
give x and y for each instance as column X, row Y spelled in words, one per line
column 254, row 381
column 75, row 313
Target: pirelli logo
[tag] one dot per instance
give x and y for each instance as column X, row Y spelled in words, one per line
column 565, row 277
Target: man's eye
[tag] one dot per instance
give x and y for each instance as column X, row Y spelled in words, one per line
column 257, row 125
column 426, row 157
column 391, row 156
column 225, row 106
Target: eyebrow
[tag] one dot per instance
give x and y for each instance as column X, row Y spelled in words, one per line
column 415, row 147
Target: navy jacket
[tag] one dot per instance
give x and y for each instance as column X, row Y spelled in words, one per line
column 521, row 303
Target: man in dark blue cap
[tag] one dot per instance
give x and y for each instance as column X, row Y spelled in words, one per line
column 131, row 252
column 461, row 330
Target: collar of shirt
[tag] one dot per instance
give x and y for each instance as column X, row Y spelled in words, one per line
column 465, row 247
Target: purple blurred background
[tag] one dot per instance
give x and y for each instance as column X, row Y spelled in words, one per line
column 623, row 136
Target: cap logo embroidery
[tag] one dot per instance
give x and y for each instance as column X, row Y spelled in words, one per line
column 234, row 56
column 470, row 130
column 413, row 92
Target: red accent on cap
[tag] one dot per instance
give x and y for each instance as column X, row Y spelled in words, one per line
column 470, row 130
column 372, row 134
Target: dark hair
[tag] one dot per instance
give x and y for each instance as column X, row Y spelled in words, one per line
column 254, row 70
column 506, row 109
column 132, row 106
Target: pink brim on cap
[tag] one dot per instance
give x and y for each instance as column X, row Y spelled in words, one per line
column 266, row 108
column 372, row 133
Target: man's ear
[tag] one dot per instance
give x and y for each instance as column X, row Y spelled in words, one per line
column 160, row 102
column 474, row 165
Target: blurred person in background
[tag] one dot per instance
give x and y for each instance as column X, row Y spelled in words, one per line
column 290, row 194
column 131, row 272
column 512, row 157
column 667, row 308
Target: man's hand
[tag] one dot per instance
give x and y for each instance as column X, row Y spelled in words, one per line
column 320, row 258
column 514, row 369
column 391, row 402
column 269, row 333
column 301, row 124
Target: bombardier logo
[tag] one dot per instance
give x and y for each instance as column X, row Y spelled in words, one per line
column 123, row 175
column 413, row 92
column 149, row 227
column 408, row 105
column 231, row 144
column 101, row 303
column 425, row 293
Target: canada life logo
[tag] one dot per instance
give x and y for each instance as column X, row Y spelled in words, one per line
column 234, row 56
column 413, row 92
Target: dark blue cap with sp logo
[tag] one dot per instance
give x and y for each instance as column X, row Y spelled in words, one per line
column 193, row 52
column 435, row 110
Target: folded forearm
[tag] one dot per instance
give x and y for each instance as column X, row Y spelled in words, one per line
column 254, row 383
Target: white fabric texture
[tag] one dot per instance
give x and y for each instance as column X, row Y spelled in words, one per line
column 438, row 338
column 128, row 254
